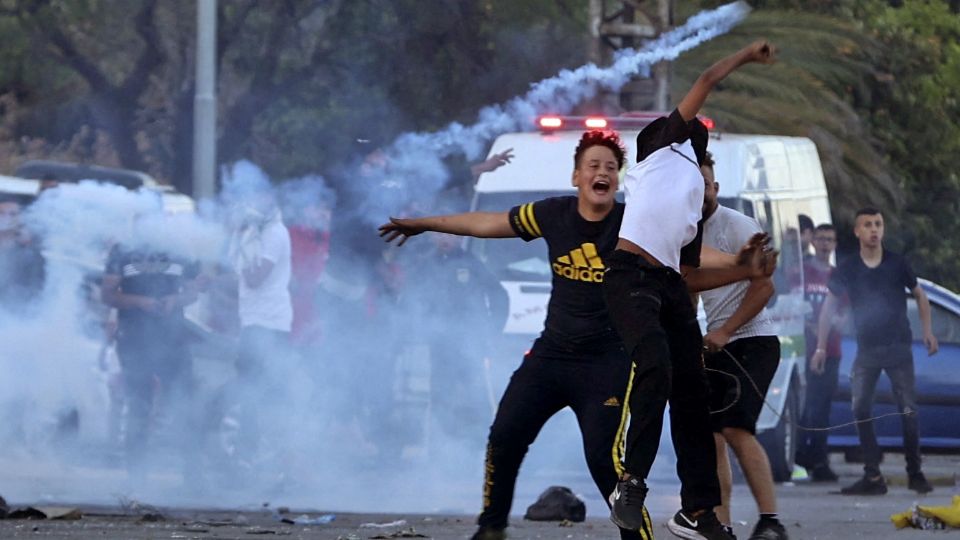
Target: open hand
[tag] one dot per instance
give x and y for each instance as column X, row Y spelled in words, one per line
column 494, row 162
column 400, row 228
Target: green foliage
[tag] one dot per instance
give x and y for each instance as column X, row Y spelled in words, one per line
column 916, row 116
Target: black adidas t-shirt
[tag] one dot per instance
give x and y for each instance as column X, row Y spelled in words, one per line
column 576, row 313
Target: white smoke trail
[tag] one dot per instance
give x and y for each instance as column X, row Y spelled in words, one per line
column 561, row 93
column 415, row 171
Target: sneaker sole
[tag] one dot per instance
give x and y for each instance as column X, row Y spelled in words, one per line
column 683, row 532
column 623, row 525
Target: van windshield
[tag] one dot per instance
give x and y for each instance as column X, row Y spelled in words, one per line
column 513, row 259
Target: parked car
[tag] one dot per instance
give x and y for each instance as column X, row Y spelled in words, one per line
column 937, row 384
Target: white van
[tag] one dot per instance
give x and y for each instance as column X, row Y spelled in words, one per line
column 771, row 178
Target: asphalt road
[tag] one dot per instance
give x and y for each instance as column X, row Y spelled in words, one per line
column 810, row 511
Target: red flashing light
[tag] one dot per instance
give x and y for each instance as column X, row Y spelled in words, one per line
column 708, row 122
column 595, row 123
column 551, row 122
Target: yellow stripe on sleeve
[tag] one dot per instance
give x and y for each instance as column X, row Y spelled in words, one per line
column 533, row 220
column 523, row 220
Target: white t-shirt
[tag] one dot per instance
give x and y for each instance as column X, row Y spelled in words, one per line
column 727, row 231
column 267, row 305
column 664, row 196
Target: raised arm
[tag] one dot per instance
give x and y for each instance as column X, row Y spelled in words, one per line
column 923, row 308
column 759, row 51
column 477, row 224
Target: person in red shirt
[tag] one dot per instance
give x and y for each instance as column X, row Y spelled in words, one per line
column 812, row 450
column 310, row 247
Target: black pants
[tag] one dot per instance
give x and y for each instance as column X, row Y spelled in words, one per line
column 593, row 386
column 897, row 361
column 157, row 378
column 812, row 448
column 651, row 310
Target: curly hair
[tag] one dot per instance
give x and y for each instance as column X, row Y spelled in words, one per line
column 610, row 139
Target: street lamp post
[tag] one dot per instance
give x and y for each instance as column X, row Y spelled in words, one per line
column 205, row 103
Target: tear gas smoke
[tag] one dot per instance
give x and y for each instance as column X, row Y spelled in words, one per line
column 388, row 409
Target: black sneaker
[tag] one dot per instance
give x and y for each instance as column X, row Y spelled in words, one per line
column 769, row 529
column 918, row 482
column 823, row 473
column 486, row 533
column 866, row 486
column 729, row 530
column 706, row 526
column 626, row 504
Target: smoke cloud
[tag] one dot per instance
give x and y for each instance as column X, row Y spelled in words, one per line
column 364, row 404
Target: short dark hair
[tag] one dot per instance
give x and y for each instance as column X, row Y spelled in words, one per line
column 610, row 139
column 867, row 211
column 826, row 227
column 806, row 224
column 649, row 138
column 708, row 160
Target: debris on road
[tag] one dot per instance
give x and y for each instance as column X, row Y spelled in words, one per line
column 44, row 512
column 557, row 503
column 406, row 533
column 929, row 517
column 397, row 523
column 307, row 520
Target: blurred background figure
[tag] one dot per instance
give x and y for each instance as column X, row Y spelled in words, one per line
column 806, row 236
column 149, row 290
column 812, row 448
column 21, row 264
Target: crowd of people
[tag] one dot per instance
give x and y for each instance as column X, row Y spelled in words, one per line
column 616, row 350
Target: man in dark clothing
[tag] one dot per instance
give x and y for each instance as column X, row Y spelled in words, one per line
column 149, row 291
column 812, row 450
column 875, row 281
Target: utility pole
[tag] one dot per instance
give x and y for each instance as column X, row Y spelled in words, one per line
column 619, row 24
column 205, row 103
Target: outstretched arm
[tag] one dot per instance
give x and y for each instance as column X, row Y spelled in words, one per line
column 759, row 51
column 477, row 224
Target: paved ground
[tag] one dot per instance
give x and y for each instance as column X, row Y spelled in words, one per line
column 810, row 512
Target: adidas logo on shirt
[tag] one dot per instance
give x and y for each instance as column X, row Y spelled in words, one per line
column 582, row 264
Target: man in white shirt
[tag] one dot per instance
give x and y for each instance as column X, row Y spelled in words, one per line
column 650, row 308
column 743, row 351
column 261, row 257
